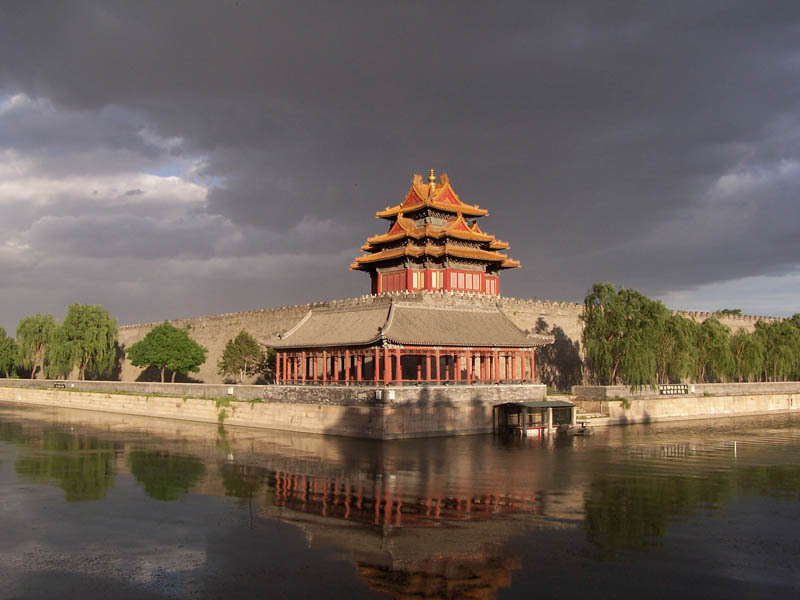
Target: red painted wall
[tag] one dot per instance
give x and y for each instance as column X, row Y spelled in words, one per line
column 453, row 280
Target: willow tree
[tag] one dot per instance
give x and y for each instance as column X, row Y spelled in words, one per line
column 85, row 340
column 674, row 347
column 34, row 335
column 781, row 341
column 747, row 351
column 620, row 334
column 167, row 347
column 8, row 353
column 714, row 357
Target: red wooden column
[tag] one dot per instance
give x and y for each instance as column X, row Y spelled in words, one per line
column 399, row 371
column 533, row 368
column 427, row 365
column 359, row 367
column 438, row 368
column 387, row 367
column 419, row 368
column 347, row 367
column 314, row 368
column 514, row 365
column 523, row 365
column 457, row 358
column 469, row 367
column 335, row 358
column 304, row 364
column 376, row 375
column 324, row 367
column 496, row 367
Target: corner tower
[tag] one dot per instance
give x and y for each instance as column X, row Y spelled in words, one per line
column 434, row 243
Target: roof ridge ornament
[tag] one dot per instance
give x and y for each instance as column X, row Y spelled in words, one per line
column 432, row 182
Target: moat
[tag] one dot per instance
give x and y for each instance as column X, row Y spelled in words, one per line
column 102, row 505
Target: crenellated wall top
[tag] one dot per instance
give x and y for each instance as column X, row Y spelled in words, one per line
column 702, row 316
column 438, row 297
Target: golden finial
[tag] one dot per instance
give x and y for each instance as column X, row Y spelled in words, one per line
column 432, row 177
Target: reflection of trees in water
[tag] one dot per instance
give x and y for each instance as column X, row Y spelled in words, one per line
column 632, row 513
column 165, row 476
column 81, row 466
column 241, row 481
column 13, row 432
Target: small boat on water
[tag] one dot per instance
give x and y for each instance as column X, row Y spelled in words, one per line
column 582, row 430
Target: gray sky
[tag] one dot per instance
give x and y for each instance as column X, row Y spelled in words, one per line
column 174, row 159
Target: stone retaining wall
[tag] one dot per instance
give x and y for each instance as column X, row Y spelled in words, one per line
column 606, row 392
column 337, row 410
column 677, row 408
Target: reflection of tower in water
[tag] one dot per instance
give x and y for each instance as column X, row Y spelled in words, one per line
column 376, row 502
column 406, row 543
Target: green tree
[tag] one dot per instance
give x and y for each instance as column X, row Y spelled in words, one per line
column 86, row 340
column 34, row 335
column 674, row 347
column 8, row 353
column 714, row 358
column 242, row 357
column 267, row 366
column 747, row 350
column 167, row 347
column 781, row 341
column 620, row 334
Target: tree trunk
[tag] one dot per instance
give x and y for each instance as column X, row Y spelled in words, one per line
column 173, row 376
column 162, row 373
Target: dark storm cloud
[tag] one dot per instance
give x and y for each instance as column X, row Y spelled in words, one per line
column 652, row 144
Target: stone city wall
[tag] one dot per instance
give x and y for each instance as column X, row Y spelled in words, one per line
column 402, row 412
column 558, row 318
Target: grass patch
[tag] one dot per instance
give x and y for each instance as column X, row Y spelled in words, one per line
column 623, row 402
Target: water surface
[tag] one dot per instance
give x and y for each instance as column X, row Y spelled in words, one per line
column 98, row 505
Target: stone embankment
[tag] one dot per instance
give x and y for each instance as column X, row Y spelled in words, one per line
column 214, row 331
column 364, row 412
column 620, row 405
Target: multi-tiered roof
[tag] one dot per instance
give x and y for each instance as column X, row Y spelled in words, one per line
column 432, row 231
